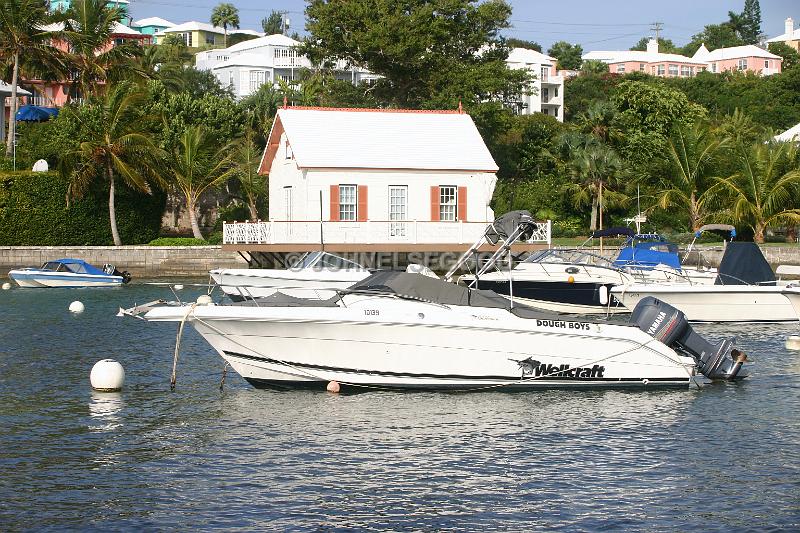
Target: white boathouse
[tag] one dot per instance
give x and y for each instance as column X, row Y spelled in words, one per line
column 366, row 180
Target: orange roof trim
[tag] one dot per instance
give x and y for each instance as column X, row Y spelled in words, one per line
column 375, row 110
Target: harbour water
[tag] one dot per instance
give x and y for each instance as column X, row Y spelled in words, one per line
column 723, row 458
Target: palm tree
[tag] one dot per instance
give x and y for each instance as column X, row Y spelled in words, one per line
column 94, row 59
column 692, row 152
column 600, row 120
column 763, row 192
column 596, row 169
column 225, row 15
column 197, row 165
column 245, row 160
column 22, row 38
column 116, row 146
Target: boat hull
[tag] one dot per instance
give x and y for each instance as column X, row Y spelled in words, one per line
column 717, row 303
column 287, row 347
column 31, row 278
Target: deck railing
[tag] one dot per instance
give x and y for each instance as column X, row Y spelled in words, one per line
column 369, row 232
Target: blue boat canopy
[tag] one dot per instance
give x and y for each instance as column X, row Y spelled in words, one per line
column 79, row 266
column 646, row 255
column 34, row 113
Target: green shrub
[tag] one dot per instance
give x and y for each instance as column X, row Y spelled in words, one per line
column 34, row 212
column 232, row 213
column 177, row 241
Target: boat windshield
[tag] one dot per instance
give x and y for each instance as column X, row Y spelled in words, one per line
column 56, row 266
column 575, row 257
column 325, row 261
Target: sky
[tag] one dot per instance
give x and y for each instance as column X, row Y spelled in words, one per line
column 594, row 24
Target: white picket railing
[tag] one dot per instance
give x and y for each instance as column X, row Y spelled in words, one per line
column 369, row 232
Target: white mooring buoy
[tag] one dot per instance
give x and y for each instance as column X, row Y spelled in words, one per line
column 6, row 286
column 76, row 307
column 178, row 287
column 204, row 299
column 333, row 387
column 793, row 342
column 107, row 376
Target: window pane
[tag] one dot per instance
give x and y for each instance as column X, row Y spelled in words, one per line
column 347, row 202
column 447, row 203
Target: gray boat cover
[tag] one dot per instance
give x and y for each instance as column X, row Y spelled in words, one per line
column 744, row 264
column 506, row 224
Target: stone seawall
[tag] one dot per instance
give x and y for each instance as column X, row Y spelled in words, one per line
column 140, row 261
column 712, row 255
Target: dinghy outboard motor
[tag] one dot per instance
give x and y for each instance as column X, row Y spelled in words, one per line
column 668, row 325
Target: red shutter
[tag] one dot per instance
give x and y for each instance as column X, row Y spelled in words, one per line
column 435, row 203
column 462, row 204
column 334, row 203
column 362, row 203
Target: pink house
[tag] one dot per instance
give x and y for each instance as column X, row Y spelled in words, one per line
column 746, row 58
column 750, row 58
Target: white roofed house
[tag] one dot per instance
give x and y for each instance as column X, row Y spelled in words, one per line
column 547, row 95
column 372, row 180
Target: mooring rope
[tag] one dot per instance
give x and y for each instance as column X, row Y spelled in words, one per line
column 172, row 380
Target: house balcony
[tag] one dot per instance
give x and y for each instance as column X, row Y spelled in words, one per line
column 553, row 80
column 376, row 235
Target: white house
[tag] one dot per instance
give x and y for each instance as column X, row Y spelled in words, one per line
column 388, row 180
column 248, row 65
column 547, row 95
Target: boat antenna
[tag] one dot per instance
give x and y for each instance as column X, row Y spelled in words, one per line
column 321, row 239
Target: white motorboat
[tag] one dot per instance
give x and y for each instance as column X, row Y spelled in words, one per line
column 315, row 275
column 578, row 280
column 744, row 291
column 69, row 273
column 402, row 330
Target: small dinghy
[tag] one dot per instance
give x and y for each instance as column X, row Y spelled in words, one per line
column 69, row 273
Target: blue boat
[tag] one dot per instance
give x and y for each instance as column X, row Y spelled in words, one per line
column 69, row 273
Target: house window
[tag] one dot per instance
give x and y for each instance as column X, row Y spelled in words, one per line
column 685, row 71
column 743, row 64
column 713, row 67
column 230, row 79
column 641, row 67
column 348, row 202
column 673, row 70
column 288, row 151
column 621, row 69
column 555, row 92
column 209, row 38
column 545, row 95
column 545, row 73
column 660, row 70
column 398, row 210
column 766, row 63
column 447, row 203
column 257, row 79
column 187, row 38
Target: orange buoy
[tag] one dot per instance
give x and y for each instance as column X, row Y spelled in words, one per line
column 570, row 280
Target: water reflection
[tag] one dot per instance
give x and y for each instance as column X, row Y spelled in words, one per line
column 104, row 411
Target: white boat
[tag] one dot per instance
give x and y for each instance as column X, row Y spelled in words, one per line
column 401, row 330
column 69, row 273
column 745, row 291
column 315, row 275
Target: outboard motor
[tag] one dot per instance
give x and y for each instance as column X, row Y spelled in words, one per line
column 111, row 270
column 669, row 325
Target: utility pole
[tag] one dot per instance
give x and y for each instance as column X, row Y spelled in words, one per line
column 657, row 27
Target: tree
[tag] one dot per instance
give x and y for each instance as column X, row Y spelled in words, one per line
column 596, row 169
column 114, row 145
column 600, row 120
column 665, row 46
column 88, row 26
column 21, row 38
column 693, row 152
column 197, row 164
column 747, row 24
column 568, row 55
column 763, row 192
column 513, row 42
column 272, row 24
column 791, row 58
column 225, row 15
column 437, row 52
column 260, row 109
column 713, row 36
column 245, row 160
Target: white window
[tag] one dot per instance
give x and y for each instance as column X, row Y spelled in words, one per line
column 685, row 71
column 766, row 63
column 660, row 70
column 288, row 151
column 287, row 202
column 257, row 79
column 230, row 79
column 348, row 202
column 448, row 208
column 545, row 94
column 713, row 67
column 555, row 92
column 398, row 210
column 743, row 64
column 621, row 68
column 641, row 67
column 545, row 73
column 673, row 70
column 210, row 38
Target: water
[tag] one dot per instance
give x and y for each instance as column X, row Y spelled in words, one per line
column 726, row 457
